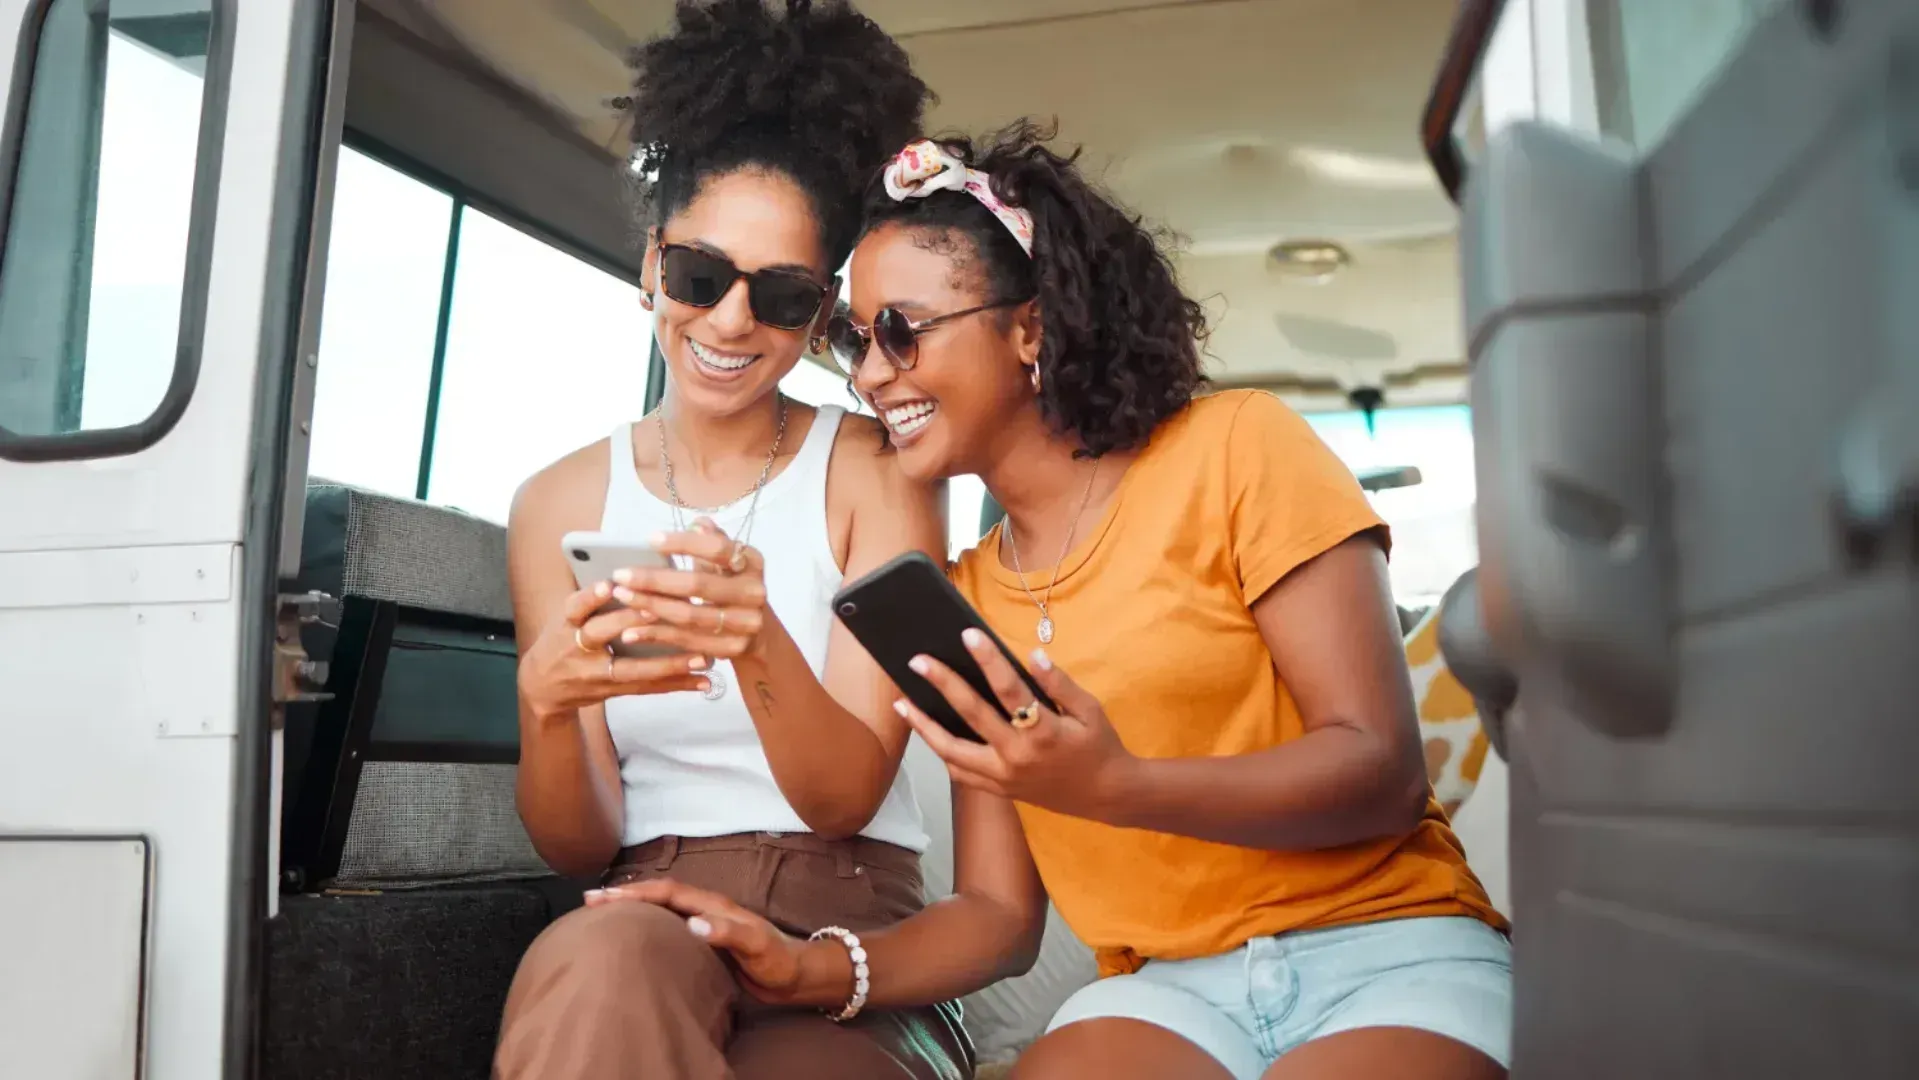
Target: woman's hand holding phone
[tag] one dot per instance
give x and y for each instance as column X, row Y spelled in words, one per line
column 1071, row 761
column 716, row 609
column 569, row 666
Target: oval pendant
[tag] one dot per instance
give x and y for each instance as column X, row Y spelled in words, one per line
column 715, row 686
column 1046, row 630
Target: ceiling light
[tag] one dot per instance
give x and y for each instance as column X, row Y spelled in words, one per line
column 1308, row 260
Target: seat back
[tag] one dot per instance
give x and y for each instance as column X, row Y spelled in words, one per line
column 406, row 776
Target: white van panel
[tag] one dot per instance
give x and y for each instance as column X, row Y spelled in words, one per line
column 73, row 930
column 122, row 703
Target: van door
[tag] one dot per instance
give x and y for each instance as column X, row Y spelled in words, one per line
column 1691, row 284
column 156, row 185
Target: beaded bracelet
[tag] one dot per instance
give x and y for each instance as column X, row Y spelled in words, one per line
column 861, row 973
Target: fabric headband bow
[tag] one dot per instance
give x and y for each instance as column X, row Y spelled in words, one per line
column 925, row 167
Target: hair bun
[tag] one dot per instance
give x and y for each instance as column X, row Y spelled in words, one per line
column 820, row 76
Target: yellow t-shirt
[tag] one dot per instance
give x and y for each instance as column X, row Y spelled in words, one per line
column 1153, row 617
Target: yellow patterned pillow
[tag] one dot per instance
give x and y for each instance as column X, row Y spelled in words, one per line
column 1448, row 722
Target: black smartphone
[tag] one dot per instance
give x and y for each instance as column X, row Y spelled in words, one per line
column 907, row 608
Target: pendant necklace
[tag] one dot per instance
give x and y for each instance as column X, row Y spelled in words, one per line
column 1006, row 530
column 715, row 682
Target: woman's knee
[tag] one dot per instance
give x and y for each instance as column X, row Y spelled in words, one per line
column 629, row 946
column 1134, row 1026
column 808, row 1047
column 1116, row 1048
column 622, row 989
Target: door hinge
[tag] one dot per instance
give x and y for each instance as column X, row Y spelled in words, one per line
column 297, row 677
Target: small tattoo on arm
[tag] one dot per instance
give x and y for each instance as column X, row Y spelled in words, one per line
column 765, row 691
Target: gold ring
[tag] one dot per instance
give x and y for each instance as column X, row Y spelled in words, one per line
column 580, row 640
column 609, row 664
column 1026, row 715
column 720, row 630
column 736, row 562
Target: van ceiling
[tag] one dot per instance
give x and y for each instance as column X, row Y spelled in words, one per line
column 1239, row 124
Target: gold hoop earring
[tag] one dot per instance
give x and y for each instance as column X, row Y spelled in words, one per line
column 817, row 344
column 1035, row 378
column 646, row 301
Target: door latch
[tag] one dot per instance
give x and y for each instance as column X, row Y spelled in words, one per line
column 1878, row 490
column 1877, row 493
column 297, row 677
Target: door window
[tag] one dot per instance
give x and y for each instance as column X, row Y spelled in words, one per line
column 1652, row 58
column 104, row 246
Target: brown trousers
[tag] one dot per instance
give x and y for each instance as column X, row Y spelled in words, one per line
column 625, row 991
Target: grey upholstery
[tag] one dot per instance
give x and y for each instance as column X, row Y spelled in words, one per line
column 404, row 974
column 419, row 823
column 363, row 543
column 441, row 809
column 397, row 985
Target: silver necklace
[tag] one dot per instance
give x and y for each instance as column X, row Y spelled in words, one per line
column 715, row 682
column 766, row 470
column 1006, row 529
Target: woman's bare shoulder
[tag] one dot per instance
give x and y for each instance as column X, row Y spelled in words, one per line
column 861, row 449
column 564, row 492
column 861, row 434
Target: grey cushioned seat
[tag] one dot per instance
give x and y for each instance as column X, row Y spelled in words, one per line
column 420, row 788
column 413, row 889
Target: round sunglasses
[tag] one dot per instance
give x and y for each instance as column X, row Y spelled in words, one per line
column 898, row 336
column 782, row 299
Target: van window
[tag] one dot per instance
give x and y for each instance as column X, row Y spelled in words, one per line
column 541, row 353
column 385, row 268
column 815, row 384
column 1434, row 540
column 459, row 354
column 100, row 222
column 965, row 502
column 544, row 354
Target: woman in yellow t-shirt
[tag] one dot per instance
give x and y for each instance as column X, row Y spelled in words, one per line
column 1232, row 806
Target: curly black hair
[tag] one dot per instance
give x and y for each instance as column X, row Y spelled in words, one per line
column 1120, row 345
column 819, row 94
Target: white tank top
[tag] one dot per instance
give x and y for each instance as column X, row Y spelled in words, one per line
column 690, row 766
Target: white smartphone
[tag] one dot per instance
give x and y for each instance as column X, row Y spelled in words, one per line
column 595, row 556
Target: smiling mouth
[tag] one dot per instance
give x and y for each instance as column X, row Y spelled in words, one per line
column 720, row 361
column 907, row 419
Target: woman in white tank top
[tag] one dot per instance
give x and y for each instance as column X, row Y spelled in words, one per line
column 763, row 762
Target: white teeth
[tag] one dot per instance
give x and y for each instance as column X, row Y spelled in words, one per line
column 720, row 360
column 909, row 418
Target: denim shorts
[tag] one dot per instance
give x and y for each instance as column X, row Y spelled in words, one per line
column 1450, row 976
